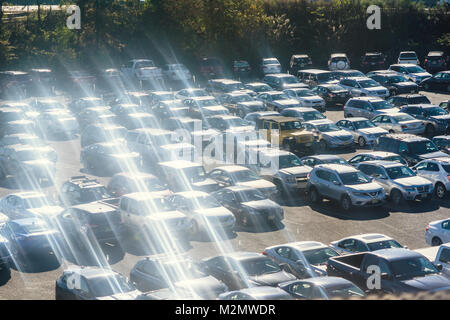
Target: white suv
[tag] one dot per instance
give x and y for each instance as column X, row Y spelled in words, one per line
column 437, row 171
column 409, row 57
column 338, row 61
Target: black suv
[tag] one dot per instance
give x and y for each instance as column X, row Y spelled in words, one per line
column 81, row 189
column 299, row 62
column 14, row 84
column 436, row 119
column 411, row 147
column 435, row 61
column 404, row 99
column 395, row 83
column 373, row 61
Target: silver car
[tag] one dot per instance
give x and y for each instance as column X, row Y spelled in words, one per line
column 307, row 98
column 399, row 122
column 438, row 232
column 303, row 114
column 364, row 86
column 367, row 107
column 364, row 243
column 345, row 184
column 399, row 181
column 330, row 136
column 363, row 130
column 437, row 171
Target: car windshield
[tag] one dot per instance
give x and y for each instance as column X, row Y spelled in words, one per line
column 336, row 88
column 344, row 292
column 381, row 105
column 312, row 115
column 326, row 76
column 245, row 175
column 289, row 80
column 396, row 159
column 208, row 103
column 368, row 83
column 363, row 124
column 145, row 64
column 328, row 127
column 385, row 244
column 270, row 61
column 305, row 93
column 95, row 194
column 291, row 125
column 397, row 79
column 288, row 161
column 260, row 88
column 257, row 267
column 412, row 268
column 154, row 205
column 352, row 178
column 279, row 96
column 36, row 202
column 250, row 195
column 399, row 172
column 35, row 227
column 414, row 69
column 335, row 160
column 109, row 285
column 203, row 202
column 403, row 117
column 195, row 174
column 319, row 256
column 422, row 147
column 418, row 100
column 436, row 111
column 243, row 98
column 234, row 86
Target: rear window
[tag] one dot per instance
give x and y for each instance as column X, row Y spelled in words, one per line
column 418, row 100
column 446, row 167
column 374, row 58
column 408, row 55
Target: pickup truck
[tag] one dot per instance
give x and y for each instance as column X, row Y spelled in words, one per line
column 142, row 70
column 402, row 271
column 438, row 255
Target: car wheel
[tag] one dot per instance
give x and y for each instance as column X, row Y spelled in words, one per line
column 346, row 203
column 244, row 220
column 361, row 142
column 436, row 241
column 396, row 197
column 314, row 196
column 440, row 190
column 429, row 130
column 393, row 92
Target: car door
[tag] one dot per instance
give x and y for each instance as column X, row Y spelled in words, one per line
column 444, row 260
column 445, row 231
column 150, row 276
column 334, row 186
column 322, row 182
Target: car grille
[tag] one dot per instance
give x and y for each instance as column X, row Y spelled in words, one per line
column 423, row 189
column 344, row 138
column 301, row 179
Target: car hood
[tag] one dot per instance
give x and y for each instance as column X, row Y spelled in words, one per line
column 166, row 215
column 390, row 110
column 311, row 99
column 132, row 295
column 374, row 130
column 46, row 211
column 364, row 187
column 335, row 134
column 422, row 74
column 214, row 212
column 252, row 104
column 379, row 88
column 428, row 283
column 272, row 279
column 442, row 117
column 261, row 204
column 258, row 184
column 412, row 181
column 299, row 170
column 431, row 155
column 286, row 102
column 207, row 287
column 405, row 84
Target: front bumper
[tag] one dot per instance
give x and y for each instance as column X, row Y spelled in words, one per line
column 368, row 201
column 333, row 144
column 416, row 195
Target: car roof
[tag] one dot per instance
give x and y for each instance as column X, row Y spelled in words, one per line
column 319, row 121
column 306, row 245
column 368, row 98
column 300, row 56
column 381, row 154
column 404, row 137
column 409, row 95
column 369, row 237
column 274, row 152
column 441, row 159
column 338, row 55
column 423, row 105
column 28, row 194
column 180, row 164
column 326, row 281
column 261, row 291
column 94, row 207
column 192, row 194
column 91, row 271
column 301, row 109
column 143, row 196
column 84, row 181
column 27, row 221
column 232, row 168
column 134, row 175
column 435, row 53
column 355, row 119
column 396, row 253
column 384, row 163
column 278, row 118
column 323, row 156
column 280, row 75
column 238, row 188
column 340, row 168
column 316, row 71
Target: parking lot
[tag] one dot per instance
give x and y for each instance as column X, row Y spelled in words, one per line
column 325, row 223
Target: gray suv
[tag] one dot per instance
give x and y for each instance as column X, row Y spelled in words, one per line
column 345, row 184
column 367, row 107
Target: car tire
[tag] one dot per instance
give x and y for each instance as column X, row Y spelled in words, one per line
column 430, row 130
column 314, row 196
column 362, row 142
column 396, row 197
column 436, row 241
column 346, row 203
column 349, row 115
column 440, row 190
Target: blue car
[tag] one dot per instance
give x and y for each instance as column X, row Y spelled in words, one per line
column 30, row 235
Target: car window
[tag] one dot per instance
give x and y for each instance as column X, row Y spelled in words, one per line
column 303, row 289
column 432, row 167
column 322, row 174
column 445, row 256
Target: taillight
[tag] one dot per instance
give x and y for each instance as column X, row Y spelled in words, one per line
column 264, row 253
column 308, row 175
column 427, row 228
column 426, row 60
column 448, row 177
column 404, row 126
column 331, row 95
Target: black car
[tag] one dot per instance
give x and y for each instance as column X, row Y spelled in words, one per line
column 93, row 283
column 373, row 61
column 109, row 158
column 299, row 62
column 43, row 82
column 435, row 61
column 443, row 143
column 96, row 133
column 96, row 115
column 14, row 84
column 161, row 271
column 241, row 69
column 438, row 82
column 241, row 270
column 78, row 105
column 411, row 147
column 211, row 68
column 90, row 224
column 404, row 99
column 250, row 206
column 436, row 119
column 396, row 83
column 333, row 94
column 81, row 189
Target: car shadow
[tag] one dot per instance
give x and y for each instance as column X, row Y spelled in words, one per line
column 414, row 207
column 94, row 254
column 332, row 209
column 292, row 200
column 138, row 246
column 5, row 275
column 36, row 263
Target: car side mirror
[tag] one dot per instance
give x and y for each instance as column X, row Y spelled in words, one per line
column 439, row 267
column 337, row 183
column 405, row 247
column 284, row 266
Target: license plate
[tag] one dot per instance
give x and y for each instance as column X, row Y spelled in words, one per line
column 308, row 144
column 434, row 62
column 424, row 195
column 374, row 201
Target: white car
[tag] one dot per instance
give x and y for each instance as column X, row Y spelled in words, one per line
column 364, row 86
column 338, row 61
column 176, row 72
column 438, row 256
column 363, row 130
column 364, row 243
column 411, row 71
column 438, row 232
column 399, row 122
column 29, row 204
column 270, row 65
column 307, row 98
column 409, row 57
column 437, row 171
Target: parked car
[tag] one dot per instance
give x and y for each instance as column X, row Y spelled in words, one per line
column 253, row 117
column 165, row 271
column 256, row 293
column 78, row 105
column 443, row 143
column 229, row 123
column 439, row 82
column 241, row 103
column 133, row 121
column 376, row 155
column 364, row 86
column 314, row 160
column 176, row 72
column 57, row 123
column 277, row 100
column 303, row 114
column 329, row 135
column 110, row 80
column 305, row 259
column 367, row 242
column 95, row 115
column 435, row 119
column 367, row 107
column 258, row 87
column 345, row 184
column 326, row 288
column 438, row 232
column 307, row 98
column 93, row 283
column 282, row 81
column 349, row 73
column 249, row 206
column 333, row 94
column 143, row 70
column 99, row 133
column 78, row 81
column 191, row 92
column 241, row 69
column 14, row 84
column 240, row 270
column 436, row 170
column 129, row 182
column 315, row 77
column 30, row 140
column 43, row 82
column 269, row 65
column 81, row 189
column 338, row 61
column 408, row 57
column 411, row 71
column 211, row 68
column 373, row 61
column 438, row 255
column 399, row 182
column 299, row 62
column 364, row 131
column 445, row 105
column 402, row 271
column 399, row 122
column 396, row 84
column 435, row 61
column 404, row 99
